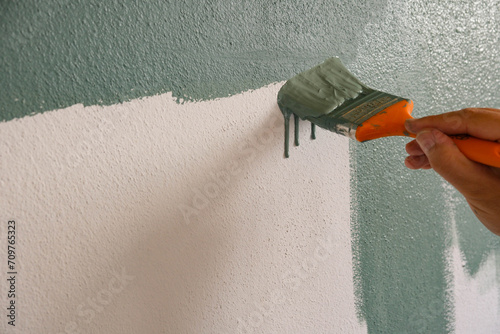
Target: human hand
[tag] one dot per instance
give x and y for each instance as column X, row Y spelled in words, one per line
column 432, row 148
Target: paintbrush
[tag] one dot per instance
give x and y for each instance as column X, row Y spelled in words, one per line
column 331, row 97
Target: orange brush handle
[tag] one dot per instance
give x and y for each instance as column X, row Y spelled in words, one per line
column 479, row 150
column 390, row 122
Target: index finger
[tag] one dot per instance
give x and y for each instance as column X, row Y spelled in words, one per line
column 482, row 123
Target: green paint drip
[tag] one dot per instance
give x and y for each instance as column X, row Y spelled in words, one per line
column 296, row 129
column 313, row 131
column 287, row 135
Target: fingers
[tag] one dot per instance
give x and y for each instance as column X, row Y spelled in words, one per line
column 432, row 148
column 482, row 123
column 417, row 162
column 413, row 148
column 417, row 158
column 446, row 159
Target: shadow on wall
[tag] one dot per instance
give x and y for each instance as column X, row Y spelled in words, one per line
column 185, row 260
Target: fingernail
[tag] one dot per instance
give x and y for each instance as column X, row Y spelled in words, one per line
column 409, row 125
column 415, row 161
column 409, row 162
column 426, row 140
column 439, row 137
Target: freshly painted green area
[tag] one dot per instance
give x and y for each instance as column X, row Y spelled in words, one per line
column 442, row 54
column 401, row 234
column 476, row 241
column 403, row 220
column 58, row 53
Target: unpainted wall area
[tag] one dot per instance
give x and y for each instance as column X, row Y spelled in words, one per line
column 336, row 238
column 131, row 222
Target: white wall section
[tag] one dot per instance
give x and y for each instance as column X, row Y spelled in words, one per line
column 157, row 217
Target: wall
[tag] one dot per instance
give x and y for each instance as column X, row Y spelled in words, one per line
column 142, row 160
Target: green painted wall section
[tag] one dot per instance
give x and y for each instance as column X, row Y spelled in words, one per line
column 399, row 249
column 442, row 54
column 58, row 53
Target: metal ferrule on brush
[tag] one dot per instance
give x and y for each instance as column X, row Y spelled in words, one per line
column 346, row 118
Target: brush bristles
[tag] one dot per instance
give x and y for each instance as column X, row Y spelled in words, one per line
column 320, row 90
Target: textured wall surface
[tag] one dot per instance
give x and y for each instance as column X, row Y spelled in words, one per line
column 141, row 158
column 208, row 229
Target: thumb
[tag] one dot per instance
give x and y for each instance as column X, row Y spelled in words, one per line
column 447, row 160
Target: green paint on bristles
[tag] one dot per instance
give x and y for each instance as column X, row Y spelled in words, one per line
column 315, row 93
column 330, row 96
